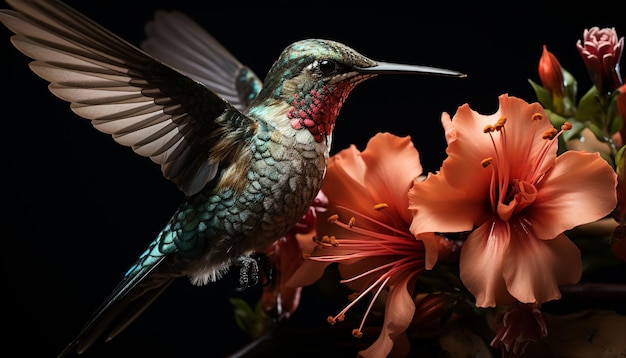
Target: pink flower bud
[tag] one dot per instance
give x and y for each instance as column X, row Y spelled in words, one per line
column 601, row 51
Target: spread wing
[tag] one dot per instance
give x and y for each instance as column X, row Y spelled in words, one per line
column 177, row 40
column 144, row 104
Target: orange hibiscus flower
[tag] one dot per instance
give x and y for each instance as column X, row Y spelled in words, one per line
column 503, row 180
column 366, row 232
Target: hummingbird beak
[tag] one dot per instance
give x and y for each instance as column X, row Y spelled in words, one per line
column 396, row 68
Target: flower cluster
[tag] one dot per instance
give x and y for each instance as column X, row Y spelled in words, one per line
column 598, row 116
column 494, row 233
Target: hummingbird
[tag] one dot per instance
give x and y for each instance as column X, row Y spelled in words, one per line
column 249, row 155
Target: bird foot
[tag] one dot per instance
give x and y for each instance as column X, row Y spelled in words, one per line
column 250, row 271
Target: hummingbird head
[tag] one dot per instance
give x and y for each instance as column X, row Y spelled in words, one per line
column 312, row 78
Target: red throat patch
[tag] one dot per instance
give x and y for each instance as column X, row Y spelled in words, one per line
column 318, row 109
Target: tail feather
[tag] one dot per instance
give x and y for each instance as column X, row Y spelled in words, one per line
column 129, row 299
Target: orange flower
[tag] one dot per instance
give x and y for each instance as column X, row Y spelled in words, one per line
column 366, row 232
column 503, row 180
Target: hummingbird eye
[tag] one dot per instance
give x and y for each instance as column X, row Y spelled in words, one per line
column 327, row 67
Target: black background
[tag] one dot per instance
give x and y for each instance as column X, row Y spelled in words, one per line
column 78, row 208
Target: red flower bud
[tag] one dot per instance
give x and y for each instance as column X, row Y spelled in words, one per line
column 550, row 73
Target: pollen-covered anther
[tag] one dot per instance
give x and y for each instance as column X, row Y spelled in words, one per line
column 357, row 333
column 486, row 162
column 331, row 320
column 326, row 241
column 331, row 219
column 499, row 124
column 341, row 317
column 320, row 244
column 488, row 128
column 351, row 222
column 380, row 206
column 566, row 126
column 549, row 133
column 537, row 117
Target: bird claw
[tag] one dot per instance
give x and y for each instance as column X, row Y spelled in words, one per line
column 250, row 271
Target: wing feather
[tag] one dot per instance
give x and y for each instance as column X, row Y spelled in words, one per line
column 180, row 42
column 156, row 110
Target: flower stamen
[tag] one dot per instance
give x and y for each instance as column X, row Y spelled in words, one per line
column 549, row 135
column 499, row 124
column 381, row 206
column 351, row 222
column 500, row 169
column 326, row 240
column 406, row 257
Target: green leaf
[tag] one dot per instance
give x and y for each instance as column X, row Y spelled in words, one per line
column 571, row 86
column 252, row 321
column 243, row 313
column 589, row 108
column 556, row 119
column 616, row 122
column 543, row 95
column 619, row 157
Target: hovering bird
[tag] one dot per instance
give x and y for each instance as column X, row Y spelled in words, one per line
column 249, row 155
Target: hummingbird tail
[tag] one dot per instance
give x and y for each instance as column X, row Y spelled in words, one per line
column 141, row 286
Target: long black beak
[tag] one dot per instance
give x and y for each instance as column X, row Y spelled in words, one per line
column 397, row 68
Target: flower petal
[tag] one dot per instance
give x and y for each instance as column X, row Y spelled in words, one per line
column 345, row 177
column 307, row 274
column 573, row 193
column 468, row 149
column 481, row 262
column 431, row 246
column 525, row 144
column 392, row 163
column 534, row 269
column 438, row 207
column 344, row 185
column 399, row 310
